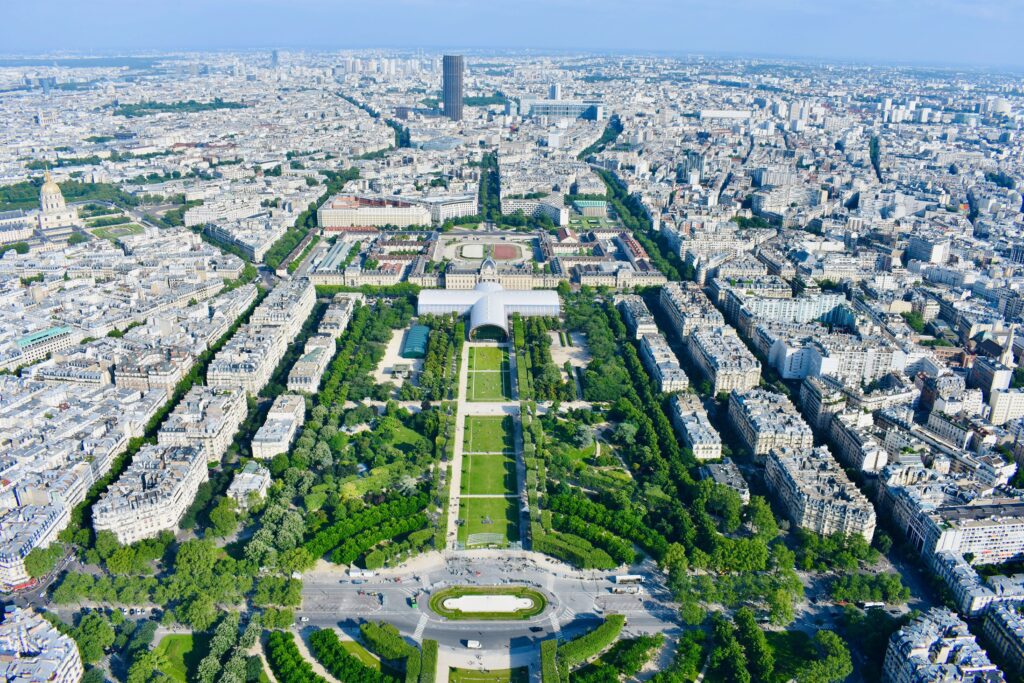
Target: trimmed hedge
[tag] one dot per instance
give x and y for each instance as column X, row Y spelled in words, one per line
column 334, row 535
column 428, row 662
column 328, row 650
column 618, row 522
column 548, row 663
column 385, row 641
column 287, row 662
column 572, row 549
column 354, row 547
column 412, row 668
column 618, row 548
column 581, row 649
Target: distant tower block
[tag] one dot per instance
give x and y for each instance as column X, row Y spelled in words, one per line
column 555, row 91
column 453, row 67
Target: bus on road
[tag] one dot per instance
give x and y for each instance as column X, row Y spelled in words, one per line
column 628, row 579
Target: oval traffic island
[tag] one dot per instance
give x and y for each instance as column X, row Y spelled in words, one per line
column 488, row 603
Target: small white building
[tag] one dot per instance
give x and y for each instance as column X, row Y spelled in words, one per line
column 253, row 479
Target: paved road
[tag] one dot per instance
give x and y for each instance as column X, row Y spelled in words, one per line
column 578, row 600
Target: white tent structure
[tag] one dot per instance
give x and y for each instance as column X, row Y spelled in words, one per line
column 489, row 305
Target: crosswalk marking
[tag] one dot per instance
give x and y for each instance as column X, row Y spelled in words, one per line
column 420, row 628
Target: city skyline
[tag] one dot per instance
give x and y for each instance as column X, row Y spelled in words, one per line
column 535, row 342
column 876, row 31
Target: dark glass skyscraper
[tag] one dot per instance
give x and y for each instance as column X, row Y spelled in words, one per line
column 452, row 86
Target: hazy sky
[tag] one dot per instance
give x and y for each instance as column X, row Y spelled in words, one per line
column 982, row 32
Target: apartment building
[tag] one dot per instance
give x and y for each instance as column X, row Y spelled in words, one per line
column 854, row 443
column 637, row 316
column 152, row 494
column 937, row 646
column 287, row 306
column 689, row 309
column 32, row 650
column 821, row 398
column 248, row 359
column 973, row 594
column 662, row 364
column 206, row 417
column 1004, row 630
column 284, row 419
column 694, row 428
column 309, row 369
column 1006, row 406
column 724, row 360
column 937, row 511
column 727, row 474
column 21, row 530
column 747, row 311
column 339, row 314
column 816, row 493
column 765, row 420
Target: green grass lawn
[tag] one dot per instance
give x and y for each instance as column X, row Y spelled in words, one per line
column 488, row 358
column 488, row 474
column 182, row 654
column 485, row 434
column 489, row 374
column 503, row 513
column 406, row 439
column 113, row 232
column 489, row 386
column 520, row 675
column 361, row 653
column 437, row 603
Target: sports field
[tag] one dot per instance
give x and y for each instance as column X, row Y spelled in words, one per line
column 487, row 474
column 487, row 434
column 114, row 231
column 489, row 516
column 505, row 252
column 489, row 374
column 520, row 675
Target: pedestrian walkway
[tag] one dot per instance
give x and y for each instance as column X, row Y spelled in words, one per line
column 455, row 483
column 420, row 628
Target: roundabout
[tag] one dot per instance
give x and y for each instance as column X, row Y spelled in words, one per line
column 488, row 603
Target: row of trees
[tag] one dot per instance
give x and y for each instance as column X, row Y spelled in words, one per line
column 333, row 536
column 438, row 379
column 634, row 216
column 355, row 547
column 617, row 523
column 579, row 650
column 533, row 350
column 287, row 662
column 623, row 661
column 886, row 587
column 327, row 648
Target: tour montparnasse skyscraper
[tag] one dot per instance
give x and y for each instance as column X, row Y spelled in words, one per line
column 453, row 66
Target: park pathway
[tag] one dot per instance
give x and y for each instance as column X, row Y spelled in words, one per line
column 455, row 481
